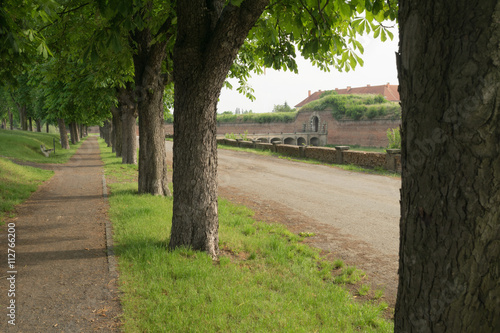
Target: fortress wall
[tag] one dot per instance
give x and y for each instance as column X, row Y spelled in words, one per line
column 367, row 133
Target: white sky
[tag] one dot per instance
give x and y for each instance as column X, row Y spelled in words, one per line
column 277, row 87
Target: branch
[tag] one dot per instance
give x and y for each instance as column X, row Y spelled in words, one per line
column 73, row 10
column 61, row 14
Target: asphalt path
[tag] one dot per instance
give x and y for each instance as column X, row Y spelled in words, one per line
column 355, row 215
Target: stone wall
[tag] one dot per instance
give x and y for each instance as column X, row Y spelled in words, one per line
column 389, row 161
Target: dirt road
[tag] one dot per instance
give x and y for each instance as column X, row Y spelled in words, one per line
column 354, row 216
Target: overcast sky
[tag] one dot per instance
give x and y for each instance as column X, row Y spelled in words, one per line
column 277, row 87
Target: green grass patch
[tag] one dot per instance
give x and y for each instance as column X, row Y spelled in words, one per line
column 261, row 118
column 360, row 148
column 17, row 183
column 355, row 106
column 25, row 146
column 266, row 280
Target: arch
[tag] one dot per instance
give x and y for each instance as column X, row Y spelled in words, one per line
column 314, row 124
column 301, row 141
column 275, row 139
column 263, row 140
column 314, row 141
column 289, row 141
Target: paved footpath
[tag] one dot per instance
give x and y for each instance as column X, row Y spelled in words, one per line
column 62, row 280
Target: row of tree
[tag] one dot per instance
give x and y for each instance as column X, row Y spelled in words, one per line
column 117, row 60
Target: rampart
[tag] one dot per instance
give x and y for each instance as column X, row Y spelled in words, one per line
column 314, row 128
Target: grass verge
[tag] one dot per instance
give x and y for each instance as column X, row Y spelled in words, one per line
column 17, row 183
column 267, row 279
column 25, row 146
column 347, row 167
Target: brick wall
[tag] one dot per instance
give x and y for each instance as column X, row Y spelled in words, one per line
column 367, row 133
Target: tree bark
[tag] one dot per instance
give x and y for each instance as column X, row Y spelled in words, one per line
column 30, row 122
column 449, row 267
column 128, row 112
column 208, row 40
column 38, row 125
column 73, row 132
column 63, row 134
column 47, row 127
column 11, row 120
column 117, row 126
column 149, row 91
column 22, row 117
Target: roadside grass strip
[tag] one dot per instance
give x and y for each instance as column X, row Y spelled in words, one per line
column 17, row 183
column 25, row 146
column 266, row 279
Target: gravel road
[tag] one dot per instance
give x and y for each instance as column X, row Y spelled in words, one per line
column 355, row 216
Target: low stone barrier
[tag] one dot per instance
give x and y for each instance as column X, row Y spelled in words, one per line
column 339, row 155
column 264, row 146
column 288, row 150
column 364, row 159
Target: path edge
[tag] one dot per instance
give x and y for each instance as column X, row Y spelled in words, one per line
column 112, row 264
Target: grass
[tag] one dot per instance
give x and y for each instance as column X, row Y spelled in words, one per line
column 25, row 146
column 355, row 106
column 261, row 118
column 17, row 183
column 267, row 279
column 346, row 167
column 359, row 148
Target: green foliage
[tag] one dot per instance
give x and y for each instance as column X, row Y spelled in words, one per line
column 394, row 137
column 17, row 183
column 261, row 118
column 283, row 108
column 233, row 136
column 355, row 107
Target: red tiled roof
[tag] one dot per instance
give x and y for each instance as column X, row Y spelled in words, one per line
column 390, row 92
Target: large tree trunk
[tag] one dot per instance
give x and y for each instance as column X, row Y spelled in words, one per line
column 30, row 122
column 150, row 88
column 38, row 125
column 206, row 46
column 128, row 113
column 449, row 268
column 63, row 134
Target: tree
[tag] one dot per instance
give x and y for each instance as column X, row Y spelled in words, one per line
column 209, row 37
column 450, row 200
column 283, row 108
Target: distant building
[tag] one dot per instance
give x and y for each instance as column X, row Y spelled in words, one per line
column 390, row 92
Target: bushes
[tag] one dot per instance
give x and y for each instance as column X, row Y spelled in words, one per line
column 394, row 137
column 355, row 106
column 261, row 118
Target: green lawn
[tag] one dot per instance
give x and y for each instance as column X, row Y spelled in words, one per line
column 267, row 279
column 17, row 183
column 25, row 146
